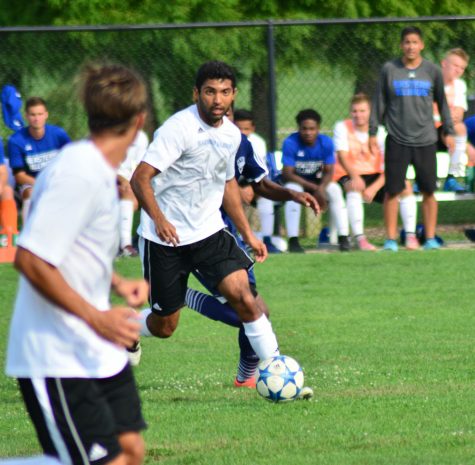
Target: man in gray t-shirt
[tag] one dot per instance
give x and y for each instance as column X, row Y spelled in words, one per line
column 403, row 103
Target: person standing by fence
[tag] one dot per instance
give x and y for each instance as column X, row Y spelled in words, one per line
column 403, row 103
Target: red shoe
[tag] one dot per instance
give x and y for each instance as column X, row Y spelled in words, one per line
column 412, row 243
column 249, row 383
column 364, row 244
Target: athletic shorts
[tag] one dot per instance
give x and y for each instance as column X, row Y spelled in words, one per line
column 368, row 180
column 441, row 147
column 398, row 157
column 78, row 420
column 21, row 188
column 167, row 268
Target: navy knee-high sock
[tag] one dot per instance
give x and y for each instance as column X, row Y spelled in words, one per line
column 212, row 308
column 248, row 360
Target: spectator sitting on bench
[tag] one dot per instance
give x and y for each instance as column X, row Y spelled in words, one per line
column 308, row 162
column 453, row 66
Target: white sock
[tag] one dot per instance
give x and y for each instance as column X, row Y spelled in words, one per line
column 354, row 204
column 337, row 208
column 333, row 233
column 126, row 221
column 292, row 212
column 458, row 159
column 265, row 207
column 144, row 331
column 25, row 209
column 262, row 337
column 36, row 460
column 408, row 212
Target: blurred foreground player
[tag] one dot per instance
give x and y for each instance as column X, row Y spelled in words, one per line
column 67, row 344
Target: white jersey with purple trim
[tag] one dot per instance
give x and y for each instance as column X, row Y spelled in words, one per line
column 74, row 226
column 195, row 160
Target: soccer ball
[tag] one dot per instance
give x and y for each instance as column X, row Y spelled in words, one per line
column 279, row 378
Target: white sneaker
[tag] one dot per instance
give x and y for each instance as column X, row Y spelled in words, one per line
column 134, row 353
column 306, row 393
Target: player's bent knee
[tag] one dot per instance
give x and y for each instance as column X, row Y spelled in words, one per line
column 133, row 446
column 162, row 327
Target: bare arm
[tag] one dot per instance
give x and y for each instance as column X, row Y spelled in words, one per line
column 457, row 115
column 233, row 206
column 3, row 177
column 114, row 325
column 372, row 189
column 22, row 178
column 142, row 187
column 273, row 191
column 289, row 175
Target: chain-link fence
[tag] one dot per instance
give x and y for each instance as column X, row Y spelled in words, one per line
column 282, row 66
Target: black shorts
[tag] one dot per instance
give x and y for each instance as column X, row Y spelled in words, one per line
column 167, row 268
column 398, row 157
column 368, row 180
column 441, row 147
column 78, row 420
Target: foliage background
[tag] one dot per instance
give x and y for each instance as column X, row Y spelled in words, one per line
column 317, row 64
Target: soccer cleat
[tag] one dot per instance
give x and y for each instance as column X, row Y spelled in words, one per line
column 411, row 242
column 344, row 244
column 431, row 244
column 306, row 393
column 364, row 244
column 452, row 185
column 128, row 251
column 294, row 245
column 390, row 245
column 271, row 248
column 134, row 353
column 249, row 383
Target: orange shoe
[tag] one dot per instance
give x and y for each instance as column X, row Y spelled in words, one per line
column 249, row 383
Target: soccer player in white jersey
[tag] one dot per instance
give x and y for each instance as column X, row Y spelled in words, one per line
column 67, row 344
column 185, row 176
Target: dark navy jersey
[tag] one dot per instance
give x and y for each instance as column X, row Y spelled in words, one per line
column 31, row 155
column 308, row 161
column 247, row 166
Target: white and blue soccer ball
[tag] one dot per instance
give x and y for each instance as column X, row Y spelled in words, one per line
column 279, row 378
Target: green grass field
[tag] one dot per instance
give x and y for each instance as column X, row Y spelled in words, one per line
column 385, row 340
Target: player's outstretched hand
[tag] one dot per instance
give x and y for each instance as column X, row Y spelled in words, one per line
column 134, row 291
column 119, row 325
column 259, row 249
column 307, row 200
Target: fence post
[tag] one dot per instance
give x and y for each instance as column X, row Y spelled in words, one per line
column 272, row 86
